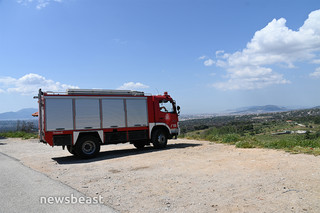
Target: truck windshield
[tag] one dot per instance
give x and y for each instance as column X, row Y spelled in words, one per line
column 166, row 106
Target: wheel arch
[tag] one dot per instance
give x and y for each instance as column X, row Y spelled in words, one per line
column 78, row 135
column 162, row 127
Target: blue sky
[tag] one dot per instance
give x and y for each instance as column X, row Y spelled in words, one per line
column 210, row 55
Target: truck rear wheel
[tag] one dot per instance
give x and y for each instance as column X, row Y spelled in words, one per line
column 139, row 144
column 159, row 139
column 87, row 147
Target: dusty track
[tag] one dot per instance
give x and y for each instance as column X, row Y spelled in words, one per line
column 188, row 176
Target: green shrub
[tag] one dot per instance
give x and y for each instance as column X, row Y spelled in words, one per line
column 245, row 144
column 230, row 138
column 18, row 134
column 212, row 138
column 305, row 150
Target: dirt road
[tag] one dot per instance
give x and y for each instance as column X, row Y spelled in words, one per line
column 188, row 176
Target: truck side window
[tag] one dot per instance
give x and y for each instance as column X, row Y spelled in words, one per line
column 166, row 106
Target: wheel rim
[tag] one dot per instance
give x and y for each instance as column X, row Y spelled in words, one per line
column 88, row 147
column 161, row 139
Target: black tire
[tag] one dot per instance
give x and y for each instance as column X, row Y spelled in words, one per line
column 72, row 150
column 139, row 144
column 87, row 147
column 159, row 139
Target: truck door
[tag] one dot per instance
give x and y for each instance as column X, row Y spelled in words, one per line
column 165, row 112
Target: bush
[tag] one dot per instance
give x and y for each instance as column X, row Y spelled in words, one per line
column 244, row 144
column 18, row 134
column 230, row 138
column 212, row 138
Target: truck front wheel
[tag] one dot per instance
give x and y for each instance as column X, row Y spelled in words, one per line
column 72, row 150
column 87, row 147
column 159, row 139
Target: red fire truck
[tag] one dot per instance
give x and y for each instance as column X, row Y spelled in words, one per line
column 83, row 120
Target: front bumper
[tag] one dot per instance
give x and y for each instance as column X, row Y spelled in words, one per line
column 174, row 133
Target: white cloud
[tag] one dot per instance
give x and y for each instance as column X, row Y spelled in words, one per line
column 39, row 4
column 208, row 62
column 132, row 86
column 316, row 61
column 275, row 44
column 30, row 84
column 316, row 74
column 251, row 78
column 202, row 57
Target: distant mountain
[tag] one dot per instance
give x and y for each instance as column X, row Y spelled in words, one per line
column 23, row 114
column 258, row 109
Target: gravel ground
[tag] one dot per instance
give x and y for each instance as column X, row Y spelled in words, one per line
column 188, row 176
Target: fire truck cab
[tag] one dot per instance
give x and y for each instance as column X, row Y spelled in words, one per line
column 82, row 120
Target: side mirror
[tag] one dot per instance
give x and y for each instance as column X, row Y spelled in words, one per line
column 178, row 108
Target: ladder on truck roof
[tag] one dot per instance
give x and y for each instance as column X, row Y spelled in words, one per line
column 103, row 92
